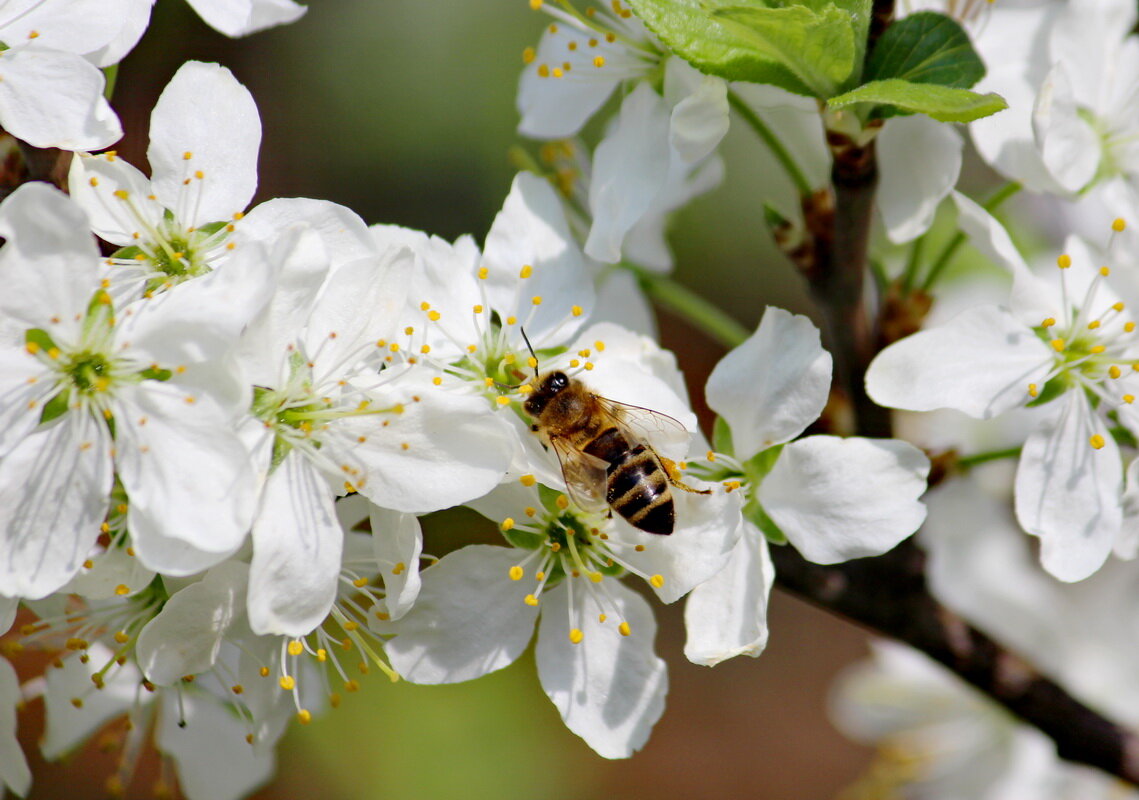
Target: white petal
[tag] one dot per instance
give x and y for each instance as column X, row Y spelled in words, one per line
column 1127, row 545
column 441, row 450
column 700, row 120
column 707, row 528
column 53, row 495
column 242, row 17
column 837, row 499
column 608, row 688
column 185, row 636
column 110, row 570
column 397, row 542
column 1068, row 145
column 50, row 98
column 621, row 300
column 1032, row 298
column 206, row 113
column 470, row 618
column 119, row 218
column 628, row 172
column 1068, row 493
column 771, row 387
column 68, row 726
column 49, row 260
column 8, row 608
column 556, row 107
column 980, row 362
column 345, row 236
column 185, row 471
column 14, row 772
column 726, row 616
column 531, row 229
column 24, row 387
column 200, row 734
column 919, row 160
column 297, row 543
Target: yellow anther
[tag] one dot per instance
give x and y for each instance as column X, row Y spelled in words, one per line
column 394, row 347
column 600, row 345
column 1097, row 441
column 543, row 72
column 437, row 381
column 525, row 389
column 640, row 548
column 536, row 300
column 1119, row 224
column 529, row 511
column 575, row 636
column 199, row 174
column 237, row 688
column 1114, row 371
column 1093, row 324
column 1033, row 391
column 1105, row 271
column 502, row 400
column 599, row 61
column 351, row 625
column 478, row 309
column 596, row 577
column 122, row 194
column 1064, row 261
column 360, row 583
column 409, row 330
column 296, row 647
column 1099, row 348
column 656, row 581
column 288, row 683
column 576, row 311
column 528, row 55
column 532, row 362
column 1129, row 399
column 535, row 4
column 624, row 628
column 122, row 589
column 304, row 716
column 526, row 271
column 351, row 685
column 508, row 523
column 562, row 502
column 527, row 480
column 264, row 672
column 187, row 156
column 433, row 315
column 1129, row 326
column 94, row 181
column 121, row 637
column 539, row 576
column 1118, row 306
column 516, row 573
column 32, row 348
column 399, row 568
column 512, row 320
column 552, row 27
column 574, row 363
column 530, row 600
column 589, row 365
column 1058, row 345
column 602, row 617
column 483, row 273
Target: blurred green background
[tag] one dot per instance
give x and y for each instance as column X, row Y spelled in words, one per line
column 404, row 111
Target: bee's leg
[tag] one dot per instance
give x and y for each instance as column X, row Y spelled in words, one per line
column 675, row 477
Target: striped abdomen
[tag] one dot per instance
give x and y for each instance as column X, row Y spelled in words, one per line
column 637, row 489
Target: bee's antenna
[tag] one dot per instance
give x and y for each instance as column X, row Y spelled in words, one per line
column 532, row 353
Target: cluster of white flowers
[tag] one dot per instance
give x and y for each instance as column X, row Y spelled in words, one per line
column 220, row 425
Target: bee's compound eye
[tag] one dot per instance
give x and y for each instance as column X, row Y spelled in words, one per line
column 559, row 381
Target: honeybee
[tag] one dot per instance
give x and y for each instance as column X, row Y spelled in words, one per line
column 604, row 451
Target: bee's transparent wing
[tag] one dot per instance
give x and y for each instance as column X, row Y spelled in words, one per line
column 585, row 475
column 652, row 428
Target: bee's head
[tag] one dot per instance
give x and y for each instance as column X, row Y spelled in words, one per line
column 548, row 388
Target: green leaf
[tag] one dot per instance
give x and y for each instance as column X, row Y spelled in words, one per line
column 926, row 48
column 816, row 46
column 943, row 103
column 688, row 28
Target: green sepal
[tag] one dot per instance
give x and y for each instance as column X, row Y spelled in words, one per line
column 39, row 338
column 754, row 513
column 687, row 27
column 281, row 449
column 1052, row 389
column 722, row 437
column 210, row 228
column 129, row 253
column 762, row 463
column 817, row 47
column 894, row 97
column 156, row 374
column 56, row 406
column 926, row 47
column 1123, row 437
